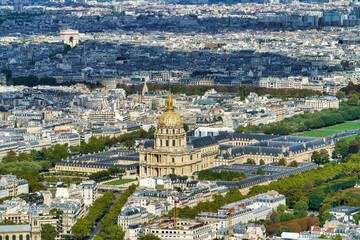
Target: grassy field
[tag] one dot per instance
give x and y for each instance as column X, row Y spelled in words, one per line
column 120, row 181
column 349, row 138
column 316, row 133
column 344, row 126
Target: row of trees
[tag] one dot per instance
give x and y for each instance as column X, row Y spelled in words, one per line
column 307, row 187
column 109, row 228
column 307, row 121
column 82, row 228
column 296, row 225
column 346, row 149
column 221, row 176
column 106, row 174
column 321, row 157
column 99, row 144
column 231, row 196
column 29, row 165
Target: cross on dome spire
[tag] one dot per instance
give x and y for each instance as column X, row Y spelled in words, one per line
column 170, row 104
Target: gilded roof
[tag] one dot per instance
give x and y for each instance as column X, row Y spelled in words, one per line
column 170, row 118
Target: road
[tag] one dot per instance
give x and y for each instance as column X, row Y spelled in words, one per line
column 96, row 229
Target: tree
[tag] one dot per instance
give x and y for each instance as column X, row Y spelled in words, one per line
column 151, row 132
column 294, row 164
column 250, row 161
column 326, row 215
column 282, row 229
column 340, row 94
column 300, row 209
column 282, row 208
column 262, row 162
column 143, row 133
column 324, row 156
column 149, row 237
column 81, row 229
column 48, row 232
column 315, row 201
column 48, row 81
column 337, row 237
column 274, row 217
column 130, row 143
column 10, row 157
column 315, row 157
column 116, row 232
column 353, row 99
column 357, row 137
column 354, row 146
column 341, row 148
column 260, row 172
column 186, row 127
column 282, row 162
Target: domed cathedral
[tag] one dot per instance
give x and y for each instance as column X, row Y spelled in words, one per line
column 171, row 153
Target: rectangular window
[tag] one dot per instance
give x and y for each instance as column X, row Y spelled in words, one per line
column 173, row 160
column 167, row 143
column 173, row 142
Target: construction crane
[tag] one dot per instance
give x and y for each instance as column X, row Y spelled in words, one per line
column 229, row 212
column 176, row 201
column 175, row 213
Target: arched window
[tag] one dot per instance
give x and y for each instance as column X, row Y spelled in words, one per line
column 21, row 237
column 28, row 237
column 6, row 237
column 0, row 237
column 13, row 237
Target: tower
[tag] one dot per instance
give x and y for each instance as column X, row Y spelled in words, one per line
column 145, row 88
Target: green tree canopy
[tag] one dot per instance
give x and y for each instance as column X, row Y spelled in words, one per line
column 300, row 209
column 186, row 127
column 48, row 232
column 340, row 94
column 315, row 201
column 149, row 237
column 341, row 148
column 250, row 161
column 81, row 229
column 260, row 172
column 282, row 229
column 353, row 99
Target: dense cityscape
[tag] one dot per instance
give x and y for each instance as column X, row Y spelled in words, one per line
column 179, row 119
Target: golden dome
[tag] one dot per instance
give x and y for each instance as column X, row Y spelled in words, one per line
column 170, row 118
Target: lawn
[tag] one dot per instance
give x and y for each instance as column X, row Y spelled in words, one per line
column 120, row 181
column 344, row 126
column 316, row 133
column 349, row 138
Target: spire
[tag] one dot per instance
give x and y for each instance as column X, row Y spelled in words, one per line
column 145, row 88
column 170, row 106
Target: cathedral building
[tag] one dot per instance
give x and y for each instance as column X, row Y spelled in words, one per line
column 171, row 152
